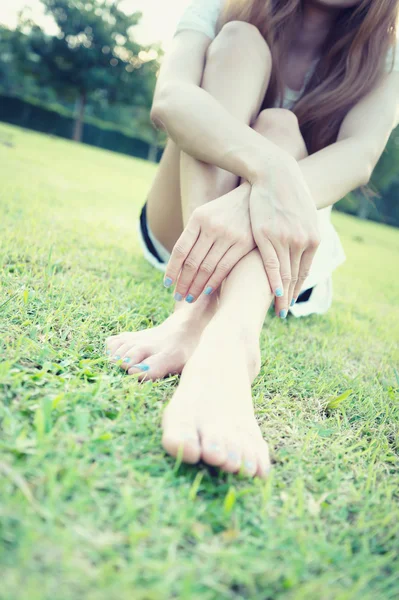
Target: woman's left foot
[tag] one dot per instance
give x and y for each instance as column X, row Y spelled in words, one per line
column 210, row 416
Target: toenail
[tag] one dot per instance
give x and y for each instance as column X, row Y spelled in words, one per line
column 279, row 292
column 127, row 359
column 190, row 298
column 167, row 282
column 233, row 457
column 214, row 447
column 142, row 367
column 117, row 357
column 208, row 291
column 249, row 465
column 293, row 301
column 178, row 297
column 283, row 313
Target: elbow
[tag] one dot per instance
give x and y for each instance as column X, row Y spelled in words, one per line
column 163, row 107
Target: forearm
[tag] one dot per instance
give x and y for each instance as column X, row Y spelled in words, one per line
column 335, row 171
column 202, row 128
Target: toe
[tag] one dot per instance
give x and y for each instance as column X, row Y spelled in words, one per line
column 214, row 450
column 249, row 459
column 264, row 463
column 152, row 367
column 234, row 459
column 182, row 440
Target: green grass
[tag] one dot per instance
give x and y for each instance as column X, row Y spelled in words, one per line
column 91, row 507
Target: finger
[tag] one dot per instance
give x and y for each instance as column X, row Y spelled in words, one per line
column 224, row 267
column 281, row 303
column 207, row 269
column 191, row 266
column 304, row 270
column 272, row 266
column 296, row 257
column 180, row 252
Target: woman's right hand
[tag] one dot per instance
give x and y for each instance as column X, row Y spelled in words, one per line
column 217, row 236
column 285, row 227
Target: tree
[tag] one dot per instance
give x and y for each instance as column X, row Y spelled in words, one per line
column 93, row 53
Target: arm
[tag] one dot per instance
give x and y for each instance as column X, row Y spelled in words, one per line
column 346, row 165
column 213, row 136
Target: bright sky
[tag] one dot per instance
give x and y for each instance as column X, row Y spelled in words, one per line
column 158, row 22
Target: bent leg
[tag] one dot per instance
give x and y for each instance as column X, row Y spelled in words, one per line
column 237, row 72
column 211, row 416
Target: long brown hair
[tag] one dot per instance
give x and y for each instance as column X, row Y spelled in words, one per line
column 352, row 59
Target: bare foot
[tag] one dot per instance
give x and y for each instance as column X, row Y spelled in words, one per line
column 211, row 417
column 163, row 350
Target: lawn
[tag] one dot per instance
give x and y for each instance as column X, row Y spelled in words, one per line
column 91, row 507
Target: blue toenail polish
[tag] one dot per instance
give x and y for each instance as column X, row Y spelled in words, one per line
column 167, row 282
column 249, row 465
column 190, row 298
column 233, row 457
column 214, row 447
column 208, row 291
column 283, row 313
column 178, row 297
column 142, row 367
column 127, row 359
column 279, row 292
column 108, row 352
column 117, row 357
column 293, row 302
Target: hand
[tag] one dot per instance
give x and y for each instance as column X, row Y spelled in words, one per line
column 217, row 236
column 285, row 227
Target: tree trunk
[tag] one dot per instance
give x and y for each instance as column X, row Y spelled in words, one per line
column 364, row 207
column 80, row 113
column 152, row 152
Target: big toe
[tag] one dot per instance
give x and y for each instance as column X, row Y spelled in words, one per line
column 181, row 440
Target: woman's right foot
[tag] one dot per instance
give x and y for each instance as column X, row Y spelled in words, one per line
column 164, row 350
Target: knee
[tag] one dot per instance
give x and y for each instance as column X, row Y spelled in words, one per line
column 239, row 38
column 277, row 119
column 280, row 123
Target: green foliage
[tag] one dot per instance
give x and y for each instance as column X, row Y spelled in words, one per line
column 91, row 507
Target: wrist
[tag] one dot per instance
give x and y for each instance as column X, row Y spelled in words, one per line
column 265, row 166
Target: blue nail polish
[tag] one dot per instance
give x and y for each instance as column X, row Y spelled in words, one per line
column 167, row 282
column 142, row 367
column 249, row 465
column 293, row 302
column 117, row 357
column 127, row 359
column 190, row 298
column 108, row 352
column 283, row 313
column 208, row 290
column 214, row 447
column 233, row 456
column 178, row 297
column 279, row 292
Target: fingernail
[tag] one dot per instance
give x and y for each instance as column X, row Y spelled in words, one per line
column 167, row 282
column 127, row 359
column 178, row 297
column 142, row 367
column 208, row 291
column 283, row 313
column 279, row 292
column 117, row 357
column 293, row 301
column 190, row 298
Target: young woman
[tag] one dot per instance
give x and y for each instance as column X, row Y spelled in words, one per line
column 275, row 110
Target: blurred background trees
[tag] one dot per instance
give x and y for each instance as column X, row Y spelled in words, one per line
column 90, row 80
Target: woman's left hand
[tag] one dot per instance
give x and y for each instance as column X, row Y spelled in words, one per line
column 286, row 229
column 217, row 236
